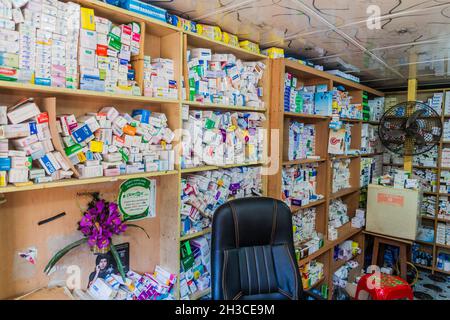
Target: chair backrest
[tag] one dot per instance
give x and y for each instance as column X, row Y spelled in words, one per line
column 252, row 251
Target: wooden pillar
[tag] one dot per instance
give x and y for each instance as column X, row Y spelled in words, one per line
column 412, row 96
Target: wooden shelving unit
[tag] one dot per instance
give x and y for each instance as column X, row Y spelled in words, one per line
column 26, row 205
column 279, row 120
column 423, row 95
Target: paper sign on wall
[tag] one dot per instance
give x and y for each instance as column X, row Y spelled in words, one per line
column 390, row 199
column 137, row 199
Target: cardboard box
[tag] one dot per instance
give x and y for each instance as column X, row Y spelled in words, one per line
column 393, row 212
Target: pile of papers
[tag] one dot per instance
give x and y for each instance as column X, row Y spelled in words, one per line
column 221, row 138
column 159, row 78
column 224, row 79
column 195, row 267
column 109, row 143
column 156, row 286
column 302, row 140
column 204, row 192
column 300, row 185
column 26, row 148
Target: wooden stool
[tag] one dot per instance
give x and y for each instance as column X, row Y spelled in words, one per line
column 402, row 244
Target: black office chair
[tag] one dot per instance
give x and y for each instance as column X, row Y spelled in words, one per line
column 252, row 250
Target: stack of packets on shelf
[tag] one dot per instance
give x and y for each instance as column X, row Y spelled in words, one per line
column 105, row 54
column 443, row 233
column 444, row 186
column 156, row 286
column 370, row 142
column 300, row 184
column 341, row 175
column 420, row 255
column 370, row 168
column 39, row 42
column 184, row 24
column 346, row 250
column 195, row 267
column 250, row 46
column 307, row 240
column 343, row 107
column 341, row 275
column 224, row 79
column 359, row 220
column 445, row 161
column 302, row 141
column 425, row 233
column 443, row 261
column 273, row 53
column 311, row 273
column 444, row 208
column 108, row 143
column 446, row 134
column 400, row 180
column 26, row 148
column 159, row 78
column 427, row 179
column 337, row 217
column 376, row 109
column 221, row 138
column 428, row 206
column 436, row 102
column 344, row 75
column 306, row 99
column 340, row 140
column 427, row 159
column 392, row 158
column 204, row 192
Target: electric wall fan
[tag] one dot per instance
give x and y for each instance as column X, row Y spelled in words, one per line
column 410, row 128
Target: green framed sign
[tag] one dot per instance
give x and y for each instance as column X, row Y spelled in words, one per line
column 137, row 199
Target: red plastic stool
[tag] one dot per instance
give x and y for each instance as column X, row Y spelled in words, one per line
column 384, row 287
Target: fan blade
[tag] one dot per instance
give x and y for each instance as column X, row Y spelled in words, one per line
column 414, row 117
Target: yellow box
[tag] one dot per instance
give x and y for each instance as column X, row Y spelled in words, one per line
column 250, row 46
column 230, row 39
column 3, row 180
column 274, row 53
column 82, row 157
column 87, row 19
column 96, row 146
column 211, row 32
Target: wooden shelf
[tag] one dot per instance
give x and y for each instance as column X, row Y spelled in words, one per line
column 305, row 116
column 310, row 72
column 442, row 246
column 302, row 161
column 340, row 263
column 369, row 155
column 196, row 235
column 344, row 156
column 200, row 294
column 79, row 182
column 423, row 267
column 351, row 120
column 211, row 168
column 425, row 243
column 328, row 245
column 441, row 271
column 201, row 105
column 294, row 209
column 198, row 41
column 343, row 193
column 32, row 89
